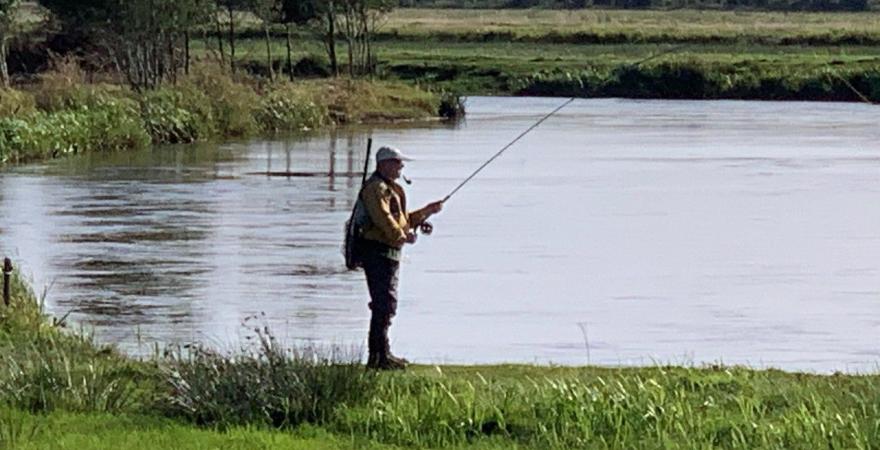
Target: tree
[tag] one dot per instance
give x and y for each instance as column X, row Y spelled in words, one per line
column 360, row 20
column 231, row 6
column 146, row 41
column 269, row 11
column 8, row 8
column 295, row 12
column 327, row 11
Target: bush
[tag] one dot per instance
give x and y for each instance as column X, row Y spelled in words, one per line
column 177, row 116
column 452, row 106
column 113, row 124
column 352, row 101
column 233, row 104
column 288, row 107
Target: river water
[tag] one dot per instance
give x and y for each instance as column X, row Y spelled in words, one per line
column 618, row 232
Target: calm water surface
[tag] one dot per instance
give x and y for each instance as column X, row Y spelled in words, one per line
column 619, row 232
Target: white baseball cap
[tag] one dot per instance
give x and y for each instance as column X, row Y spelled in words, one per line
column 387, row 152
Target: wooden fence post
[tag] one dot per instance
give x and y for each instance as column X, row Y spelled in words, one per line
column 7, row 272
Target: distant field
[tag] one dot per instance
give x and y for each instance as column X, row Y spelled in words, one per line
column 635, row 26
column 526, row 57
column 584, row 53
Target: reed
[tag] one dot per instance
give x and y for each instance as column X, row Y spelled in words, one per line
column 268, row 384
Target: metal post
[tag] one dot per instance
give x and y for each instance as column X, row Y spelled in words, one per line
column 7, row 272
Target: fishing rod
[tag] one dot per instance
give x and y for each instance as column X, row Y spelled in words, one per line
column 367, row 161
column 535, row 125
column 637, row 63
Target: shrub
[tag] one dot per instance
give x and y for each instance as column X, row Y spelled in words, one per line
column 113, row 124
column 177, row 116
column 288, row 107
column 362, row 101
column 452, row 106
column 233, row 104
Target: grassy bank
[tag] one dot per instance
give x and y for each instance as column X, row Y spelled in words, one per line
column 62, row 391
column 642, row 54
column 63, row 114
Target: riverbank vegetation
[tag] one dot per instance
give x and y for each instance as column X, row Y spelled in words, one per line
column 63, row 114
column 59, row 389
column 730, row 52
column 106, row 76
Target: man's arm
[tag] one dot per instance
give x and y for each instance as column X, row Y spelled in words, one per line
column 419, row 216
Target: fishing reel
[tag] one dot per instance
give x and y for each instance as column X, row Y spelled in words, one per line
column 426, row 228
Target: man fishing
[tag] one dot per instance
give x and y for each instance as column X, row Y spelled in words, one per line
column 379, row 227
column 388, row 226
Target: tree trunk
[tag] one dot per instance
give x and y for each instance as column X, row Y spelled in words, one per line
column 4, row 69
column 331, row 39
column 269, row 53
column 363, row 56
column 289, row 54
column 186, row 52
column 231, row 40
column 220, row 42
column 172, row 59
column 350, row 57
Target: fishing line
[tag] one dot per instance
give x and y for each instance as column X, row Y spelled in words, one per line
column 846, row 82
column 505, row 148
column 637, row 63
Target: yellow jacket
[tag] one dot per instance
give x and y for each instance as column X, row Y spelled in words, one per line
column 385, row 203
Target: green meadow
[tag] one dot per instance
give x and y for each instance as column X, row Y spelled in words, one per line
column 601, row 53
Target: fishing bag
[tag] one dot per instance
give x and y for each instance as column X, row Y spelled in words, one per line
column 354, row 227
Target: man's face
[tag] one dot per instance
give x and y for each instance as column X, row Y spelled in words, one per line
column 391, row 168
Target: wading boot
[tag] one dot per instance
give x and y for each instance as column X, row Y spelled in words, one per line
column 398, row 359
column 379, row 361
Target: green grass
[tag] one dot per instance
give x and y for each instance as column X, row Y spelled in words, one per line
column 743, row 55
column 734, row 71
column 59, row 390
column 637, row 26
column 81, row 431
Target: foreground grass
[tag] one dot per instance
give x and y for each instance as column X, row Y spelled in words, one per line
column 74, row 431
column 58, row 390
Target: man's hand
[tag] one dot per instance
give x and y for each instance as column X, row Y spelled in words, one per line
column 434, row 208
